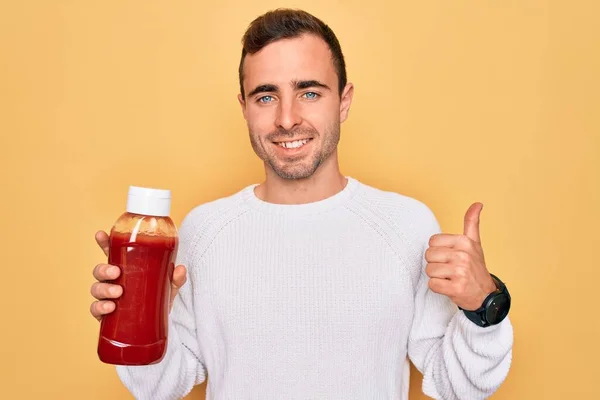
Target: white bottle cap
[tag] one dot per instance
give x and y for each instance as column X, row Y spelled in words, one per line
column 147, row 201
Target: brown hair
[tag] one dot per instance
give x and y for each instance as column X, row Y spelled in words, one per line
column 284, row 23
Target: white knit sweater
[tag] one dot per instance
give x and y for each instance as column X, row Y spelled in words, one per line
column 326, row 300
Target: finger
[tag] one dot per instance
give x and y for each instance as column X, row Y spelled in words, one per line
column 106, row 272
column 179, row 277
column 103, row 291
column 103, row 241
column 440, row 270
column 441, row 286
column 100, row 308
column 444, row 240
column 438, row 255
column 472, row 222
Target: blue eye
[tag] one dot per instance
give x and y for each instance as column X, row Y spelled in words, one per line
column 311, row 95
column 265, row 99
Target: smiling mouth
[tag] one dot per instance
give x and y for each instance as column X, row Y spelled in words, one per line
column 293, row 144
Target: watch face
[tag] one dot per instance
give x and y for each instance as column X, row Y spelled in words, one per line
column 497, row 309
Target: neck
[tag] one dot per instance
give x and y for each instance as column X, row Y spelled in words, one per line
column 325, row 182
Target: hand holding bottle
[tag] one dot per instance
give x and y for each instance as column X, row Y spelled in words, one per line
column 104, row 292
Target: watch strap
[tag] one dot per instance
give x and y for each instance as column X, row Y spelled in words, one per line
column 478, row 316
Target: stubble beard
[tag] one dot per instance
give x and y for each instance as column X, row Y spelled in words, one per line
column 298, row 167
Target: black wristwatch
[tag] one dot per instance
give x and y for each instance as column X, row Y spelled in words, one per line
column 494, row 308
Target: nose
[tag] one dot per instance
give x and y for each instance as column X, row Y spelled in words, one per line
column 288, row 115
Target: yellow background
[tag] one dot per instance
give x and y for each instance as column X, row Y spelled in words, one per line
column 456, row 101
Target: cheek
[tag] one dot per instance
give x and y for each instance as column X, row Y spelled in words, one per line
column 322, row 117
column 260, row 120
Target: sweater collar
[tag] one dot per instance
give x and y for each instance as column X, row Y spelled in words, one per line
column 316, row 207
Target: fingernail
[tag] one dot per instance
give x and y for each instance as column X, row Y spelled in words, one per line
column 114, row 290
column 112, row 271
column 106, row 306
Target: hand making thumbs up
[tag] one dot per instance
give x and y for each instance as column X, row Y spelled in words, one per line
column 456, row 265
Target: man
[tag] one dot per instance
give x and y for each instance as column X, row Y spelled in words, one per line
column 313, row 284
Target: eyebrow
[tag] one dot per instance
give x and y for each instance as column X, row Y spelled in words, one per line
column 298, row 85
column 263, row 89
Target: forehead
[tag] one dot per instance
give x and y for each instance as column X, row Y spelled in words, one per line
column 299, row 58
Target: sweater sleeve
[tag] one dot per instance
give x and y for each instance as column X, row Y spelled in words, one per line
column 182, row 366
column 458, row 359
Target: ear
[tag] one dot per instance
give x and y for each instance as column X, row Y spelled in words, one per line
column 243, row 105
column 346, row 101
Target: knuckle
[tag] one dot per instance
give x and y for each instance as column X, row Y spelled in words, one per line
column 465, row 241
column 104, row 274
column 95, row 290
column 428, row 253
column 103, row 291
column 94, row 309
column 432, row 239
column 469, row 244
column 461, row 257
column 466, row 258
column 100, row 272
column 428, row 268
column 436, row 286
column 432, row 285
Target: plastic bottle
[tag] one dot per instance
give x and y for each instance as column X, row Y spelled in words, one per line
column 143, row 244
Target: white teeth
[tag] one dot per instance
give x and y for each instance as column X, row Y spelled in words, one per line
column 293, row 145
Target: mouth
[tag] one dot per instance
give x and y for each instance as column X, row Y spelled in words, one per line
column 293, row 144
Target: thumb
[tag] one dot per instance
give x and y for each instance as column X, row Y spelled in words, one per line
column 179, row 279
column 472, row 222
column 103, row 241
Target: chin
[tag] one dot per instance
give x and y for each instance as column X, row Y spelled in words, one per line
column 295, row 172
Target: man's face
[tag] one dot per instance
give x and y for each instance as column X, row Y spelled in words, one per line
column 292, row 107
